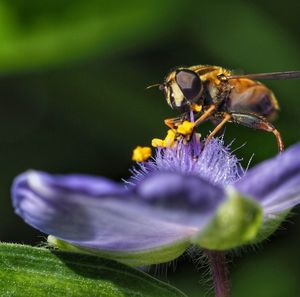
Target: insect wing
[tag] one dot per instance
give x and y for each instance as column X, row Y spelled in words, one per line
column 270, row 75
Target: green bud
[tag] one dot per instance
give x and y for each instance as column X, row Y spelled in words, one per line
column 237, row 222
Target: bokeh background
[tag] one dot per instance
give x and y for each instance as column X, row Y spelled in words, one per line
column 73, row 99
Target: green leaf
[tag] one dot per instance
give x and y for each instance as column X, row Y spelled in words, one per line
column 237, row 222
column 35, row 33
column 28, row 271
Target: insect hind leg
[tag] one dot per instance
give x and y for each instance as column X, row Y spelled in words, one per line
column 225, row 119
column 257, row 122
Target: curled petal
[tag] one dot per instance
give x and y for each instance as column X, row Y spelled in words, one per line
column 99, row 215
column 191, row 200
column 275, row 183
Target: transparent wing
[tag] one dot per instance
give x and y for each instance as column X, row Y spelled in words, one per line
column 270, row 75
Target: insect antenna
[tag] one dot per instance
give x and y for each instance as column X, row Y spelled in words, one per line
column 152, row 86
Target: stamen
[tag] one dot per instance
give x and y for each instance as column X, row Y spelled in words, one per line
column 156, row 142
column 170, row 138
column 141, row 154
column 186, row 128
column 167, row 142
column 196, row 107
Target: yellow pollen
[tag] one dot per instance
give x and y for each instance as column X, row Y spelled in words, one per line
column 196, row 107
column 186, row 128
column 156, row 142
column 167, row 142
column 170, row 138
column 141, row 154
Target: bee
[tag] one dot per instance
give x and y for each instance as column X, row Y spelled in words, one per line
column 215, row 93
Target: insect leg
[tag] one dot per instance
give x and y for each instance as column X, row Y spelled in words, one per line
column 256, row 122
column 205, row 115
column 173, row 122
column 226, row 118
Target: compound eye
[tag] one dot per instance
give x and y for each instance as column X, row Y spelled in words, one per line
column 189, row 84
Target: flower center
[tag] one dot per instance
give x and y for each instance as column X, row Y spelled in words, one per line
column 214, row 161
column 182, row 151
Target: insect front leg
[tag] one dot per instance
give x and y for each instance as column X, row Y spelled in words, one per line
column 256, row 122
column 174, row 122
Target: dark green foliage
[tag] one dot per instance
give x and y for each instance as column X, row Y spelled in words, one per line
column 27, row 271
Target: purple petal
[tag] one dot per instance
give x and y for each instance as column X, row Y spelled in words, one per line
column 192, row 198
column 276, row 182
column 99, row 214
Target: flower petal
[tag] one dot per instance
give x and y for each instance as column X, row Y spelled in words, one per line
column 110, row 221
column 275, row 183
column 190, row 200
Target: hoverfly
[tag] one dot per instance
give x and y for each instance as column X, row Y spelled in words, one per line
column 215, row 93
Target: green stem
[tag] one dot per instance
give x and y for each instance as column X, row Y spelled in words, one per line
column 219, row 273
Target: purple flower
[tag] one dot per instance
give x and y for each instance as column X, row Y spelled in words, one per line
column 185, row 195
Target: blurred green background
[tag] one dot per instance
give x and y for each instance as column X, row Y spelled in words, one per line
column 73, row 99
